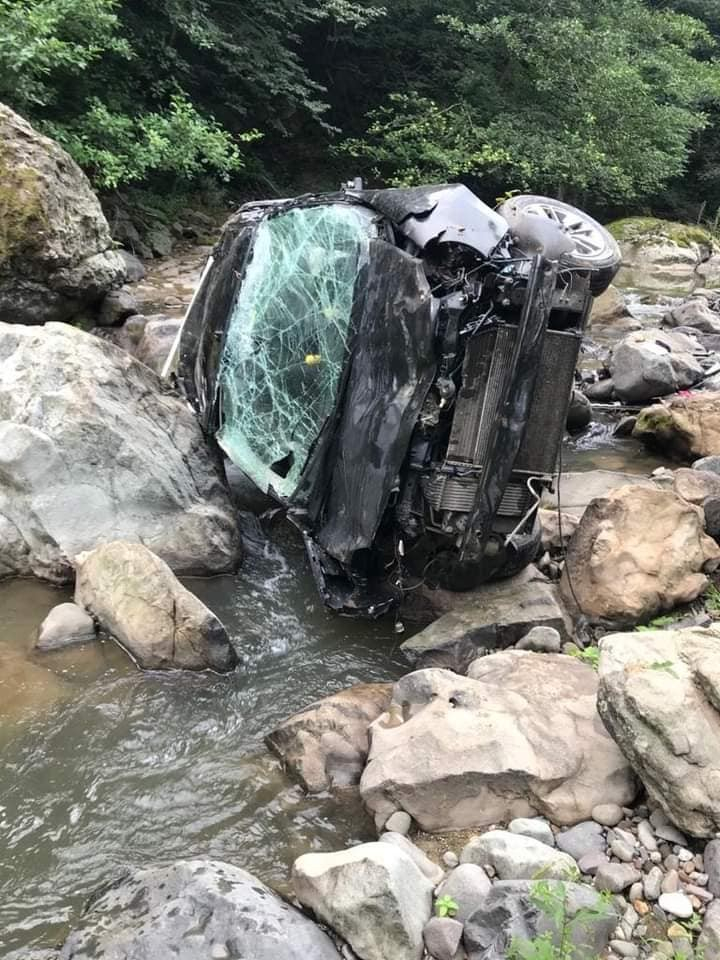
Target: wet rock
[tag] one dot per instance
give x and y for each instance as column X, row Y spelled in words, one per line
column 431, row 870
column 624, row 568
column 191, row 909
column 442, row 937
column 616, row 877
column 116, row 307
column 578, row 489
column 56, row 256
column 467, row 885
column 66, row 624
column 372, row 895
column 684, row 428
column 492, row 616
column 514, row 857
column 579, row 412
column 653, row 363
column 137, row 599
column 584, row 838
column 91, row 450
column 601, row 391
column 708, row 946
column 648, row 681
column 157, row 341
column 475, row 750
column 509, row 913
column 541, row 640
column 696, row 313
column 608, row 814
column 534, row 827
column 325, row 746
column 624, row 427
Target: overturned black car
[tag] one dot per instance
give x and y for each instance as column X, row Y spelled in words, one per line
column 395, row 367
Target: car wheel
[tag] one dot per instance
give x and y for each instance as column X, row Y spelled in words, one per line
column 594, row 248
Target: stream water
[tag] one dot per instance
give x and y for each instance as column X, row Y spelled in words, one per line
column 105, row 768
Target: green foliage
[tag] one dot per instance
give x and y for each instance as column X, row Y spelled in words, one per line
column 564, row 939
column 445, row 906
column 712, row 598
column 658, row 623
column 590, row 655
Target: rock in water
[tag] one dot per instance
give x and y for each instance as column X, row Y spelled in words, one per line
column 637, row 551
column 653, row 363
column 192, row 909
column 372, row 895
column 66, row 624
column 509, row 913
column 138, row 599
column 457, row 752
column 56, row 253
column 684, row 428
column 92, row 450
column 659, row 695
column 326, row 745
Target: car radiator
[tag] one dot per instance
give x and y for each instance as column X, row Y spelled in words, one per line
column 488, row 359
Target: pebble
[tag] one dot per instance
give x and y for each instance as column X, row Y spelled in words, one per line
column 591, row 861
column 616, row 877
column 635, row 892
column 646, row 836
column 541, row 640
column 671, row 862
column 676, row 904
column 622, row 850
column 656, row 856
column 711, row 866
column 699, row 892
column 586, row 837
column 676, row 931
column 671, row 882
column 399, row 822
column 624, row 949
column 642, row 909
column 652, row 883
column 626, row 835
column 607, row 814
column 534, row 827
column 667, row 831
column 450, row 859
column 685, row 856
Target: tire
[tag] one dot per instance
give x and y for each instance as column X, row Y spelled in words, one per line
column 595, row 250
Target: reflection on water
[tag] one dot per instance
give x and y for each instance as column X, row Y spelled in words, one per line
column 113, row 768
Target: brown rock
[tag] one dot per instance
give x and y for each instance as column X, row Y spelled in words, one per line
column 684, row 427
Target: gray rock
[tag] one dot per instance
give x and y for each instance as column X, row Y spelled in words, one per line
column 442, row 937
column 694, row 313
column 676, row 904
column 711, row 512
column 622, row 851
column 66, row 624
column 157, row 341
column 541, row 640
column 647, row 681
column 670, row 882
column 494, row 615
column 134, row 267
column 624, row 948
column 708, row 946
column 450, row 859
column 57, row 257
column 652, row 883
column 708, row 464
column 586, row 837
column 607, row 814
column 137, row 599
column 590, row 863
column 579, row 412
column 372, row 895
column 646, row 836
column 653, row 363
column 431, row 870
column 616, row 877
column 189, row 909
column 534, row 827
column 325, row 746
column 602, row 391
column 515, row 857
column 696, row 486
column 92, row 450
column 508, row 913
column 160, row 240
column 711, row 865
column 468, row 885
column 471, row 751
column 116, row 307
column 399, row 822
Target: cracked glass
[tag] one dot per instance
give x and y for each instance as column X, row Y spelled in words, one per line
column 287, row 339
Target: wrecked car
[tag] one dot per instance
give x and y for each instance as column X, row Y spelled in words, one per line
column 394, row 367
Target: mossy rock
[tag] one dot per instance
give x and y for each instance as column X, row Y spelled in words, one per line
column 22, row 217
column 651, row 230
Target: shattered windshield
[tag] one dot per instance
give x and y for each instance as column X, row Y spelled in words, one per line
column 287, row 339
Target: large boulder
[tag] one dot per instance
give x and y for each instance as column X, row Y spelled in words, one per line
column 56, row 253
column 490, row 617
column 137, row 599
column 653, row 363
column 372, row 895
column 511, row 912
column 92, row 449
column 695, row 313
column 193, row 909
column 637, row 551
column 684, row 428
column 659, row 696
column 664, row 255
column 325, row 746
column 519, row 736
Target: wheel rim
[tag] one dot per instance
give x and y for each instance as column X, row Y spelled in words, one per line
column 586, row 237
